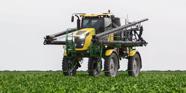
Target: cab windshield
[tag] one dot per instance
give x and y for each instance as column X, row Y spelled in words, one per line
column 96, row 23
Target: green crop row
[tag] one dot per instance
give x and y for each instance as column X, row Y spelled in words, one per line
column 56, row 82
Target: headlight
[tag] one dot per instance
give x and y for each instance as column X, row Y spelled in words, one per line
column 82, row 37
column 79, row 42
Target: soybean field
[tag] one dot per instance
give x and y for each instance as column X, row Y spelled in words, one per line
column 56, row 82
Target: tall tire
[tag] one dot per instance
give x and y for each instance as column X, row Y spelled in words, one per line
column 134, row 65
column 94, row 66
column 69, row 66
column 111, row 65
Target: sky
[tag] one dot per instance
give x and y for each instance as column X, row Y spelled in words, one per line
column 24, row 23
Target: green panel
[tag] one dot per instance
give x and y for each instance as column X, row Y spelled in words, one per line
column 70, row 46
column 96, row 50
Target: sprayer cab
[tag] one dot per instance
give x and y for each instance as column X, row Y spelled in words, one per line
column 101, row 22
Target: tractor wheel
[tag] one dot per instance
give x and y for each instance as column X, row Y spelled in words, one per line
column 94, row 66
column 134, row 65
column 69, row 66
column 111, row 65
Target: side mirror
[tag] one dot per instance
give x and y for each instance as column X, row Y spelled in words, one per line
column 78, row 23
column 72, row 19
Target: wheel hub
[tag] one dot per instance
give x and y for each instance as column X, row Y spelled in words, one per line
column 112, row 67
column 135, row 67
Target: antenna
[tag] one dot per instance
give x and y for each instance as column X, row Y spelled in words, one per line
column 109, row 11
column 127, row 20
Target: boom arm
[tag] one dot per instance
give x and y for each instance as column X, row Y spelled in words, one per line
column 51, row 39
column 119, row 29
column 128, row 27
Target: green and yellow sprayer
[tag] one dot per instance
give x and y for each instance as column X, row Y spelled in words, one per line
column 100, row 36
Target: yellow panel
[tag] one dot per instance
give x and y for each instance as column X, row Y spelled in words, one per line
column 132, row 52
column 94, row 15
column 65, row 53
column 108, row 52
column 88, row 39
column 110, row 37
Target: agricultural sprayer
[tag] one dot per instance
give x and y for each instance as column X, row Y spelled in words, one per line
column 100, row 37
